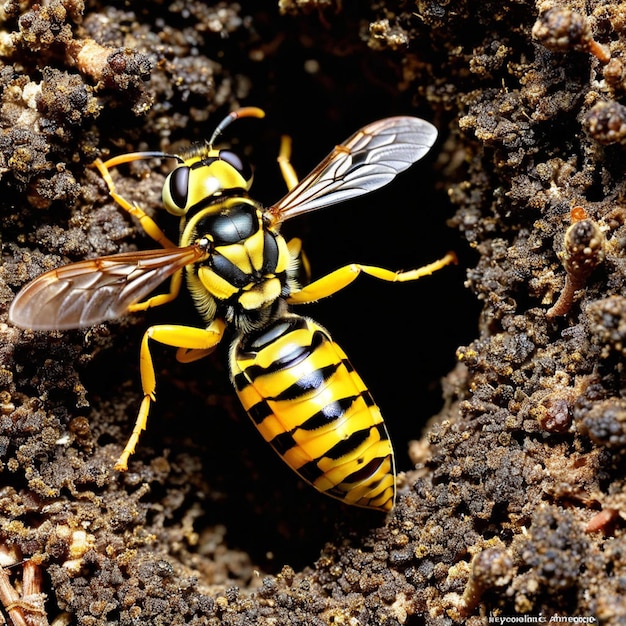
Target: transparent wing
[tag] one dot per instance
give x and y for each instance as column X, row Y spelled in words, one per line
column 369, row 159
column 89, row 292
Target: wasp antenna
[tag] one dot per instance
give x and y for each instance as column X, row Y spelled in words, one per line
column 136, row 156
column 235, row 115
column 159, row 155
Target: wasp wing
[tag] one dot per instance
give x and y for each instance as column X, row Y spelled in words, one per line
column 89, row 292
column 369, row 159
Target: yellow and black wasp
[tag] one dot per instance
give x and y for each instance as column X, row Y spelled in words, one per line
column 295, row 382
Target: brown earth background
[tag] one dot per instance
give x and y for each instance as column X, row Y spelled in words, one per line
column 508, row 416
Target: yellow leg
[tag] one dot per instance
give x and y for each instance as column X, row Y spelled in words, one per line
column 161, row 298
column 185, row 355
column 147, row 223
column 286, row 169
column 185, row 338
column 342, row 277
column 300, row 261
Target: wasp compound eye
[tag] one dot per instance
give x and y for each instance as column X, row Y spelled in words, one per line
column 237, row 162
column 176, row 190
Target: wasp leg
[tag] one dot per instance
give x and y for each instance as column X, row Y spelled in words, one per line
column 161, row 298
column 299, row 267
column 185, row 355
column 147, row 223
column 188, row 340
column 342, row 277
column 284, row 162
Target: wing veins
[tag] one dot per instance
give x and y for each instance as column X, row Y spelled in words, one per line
column 93, row 291
column 366, row 161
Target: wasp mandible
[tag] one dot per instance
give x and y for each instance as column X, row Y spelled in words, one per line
column 294, row 381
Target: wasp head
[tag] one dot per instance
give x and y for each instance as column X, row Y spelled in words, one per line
column 199, row 179
column 207, row 173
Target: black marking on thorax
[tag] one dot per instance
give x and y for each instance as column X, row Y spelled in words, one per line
column 238, row 224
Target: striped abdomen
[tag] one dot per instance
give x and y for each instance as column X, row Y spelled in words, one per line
column 307, row 401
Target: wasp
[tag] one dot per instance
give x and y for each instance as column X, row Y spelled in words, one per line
column 296, row 384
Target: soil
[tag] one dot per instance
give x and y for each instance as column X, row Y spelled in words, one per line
column 501, row 379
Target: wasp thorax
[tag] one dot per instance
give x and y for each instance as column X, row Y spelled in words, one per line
column 236, row 225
